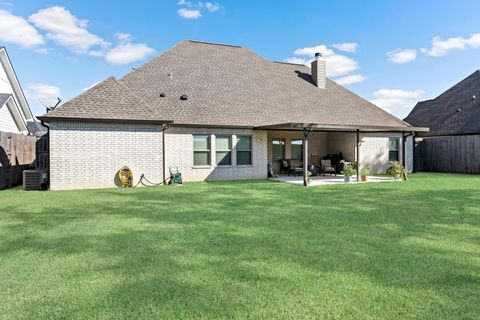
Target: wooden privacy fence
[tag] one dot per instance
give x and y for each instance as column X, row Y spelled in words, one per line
column 17, row 153
column 456, row 154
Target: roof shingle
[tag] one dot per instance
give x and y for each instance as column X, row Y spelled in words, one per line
column 225, row 85
column 455, row 111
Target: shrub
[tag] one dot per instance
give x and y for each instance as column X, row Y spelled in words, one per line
column 365, row 171
column 395, row 170
column 349, row 170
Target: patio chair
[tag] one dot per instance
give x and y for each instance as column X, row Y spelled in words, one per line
column 175, row 176
column 295, row 167
column 284, row 166
column 328, row 168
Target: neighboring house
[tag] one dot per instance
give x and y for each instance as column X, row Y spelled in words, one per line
column 215, row 112
column 15, row 114
column 453, row 142
column 17, row 126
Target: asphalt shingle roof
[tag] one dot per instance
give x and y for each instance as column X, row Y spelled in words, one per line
column 224, row 85
column 455, row 111
column 3, row 98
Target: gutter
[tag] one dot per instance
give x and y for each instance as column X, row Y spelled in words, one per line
column 108, row 120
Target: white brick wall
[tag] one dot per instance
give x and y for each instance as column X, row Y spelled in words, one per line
column 179, row 153
column 88, row 155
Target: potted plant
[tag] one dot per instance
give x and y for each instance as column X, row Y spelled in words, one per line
column 395, row 170
column 348, row 171
column 364, row 173
column 309, row 174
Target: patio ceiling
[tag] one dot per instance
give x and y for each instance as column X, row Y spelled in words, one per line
column 297, row 126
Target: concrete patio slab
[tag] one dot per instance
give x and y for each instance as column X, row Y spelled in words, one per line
column 326, row 180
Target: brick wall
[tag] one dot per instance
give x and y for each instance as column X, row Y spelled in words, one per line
column 179, row 153
column 88, row 155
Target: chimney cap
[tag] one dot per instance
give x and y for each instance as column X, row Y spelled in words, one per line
column 318, row 55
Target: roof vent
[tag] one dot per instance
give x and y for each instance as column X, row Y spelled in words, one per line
column 183, row 97
column 474, row 97
column 162, row 95
column 458, row 110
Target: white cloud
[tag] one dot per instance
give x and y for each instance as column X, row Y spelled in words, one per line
column 184, row 3
column 189, row 14
column 346, row 46
column 17, row 30
column 298, row 60
column 442, row 47
column 193, row 10
column 337, row 65
column 397, row 101
column 212, row 7
column 123, row 37
column 66, row 29
column 128, row 53
column 351, row 79
column 44, row 93
column 402, row 56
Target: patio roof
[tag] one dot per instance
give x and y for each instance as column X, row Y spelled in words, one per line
column 333, row 127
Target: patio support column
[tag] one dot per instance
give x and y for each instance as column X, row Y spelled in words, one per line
column 357, row 140
column 305, row 156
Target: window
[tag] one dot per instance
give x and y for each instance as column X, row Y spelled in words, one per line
column 297, row 149
column 223, row 146
column 278, row 149
column 244, row 150
column 393, row 144
column 201, row 150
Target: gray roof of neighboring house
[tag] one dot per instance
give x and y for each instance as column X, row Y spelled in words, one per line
column 225, row 86
column 455, row 111
column 35, row 128
column 4, row 97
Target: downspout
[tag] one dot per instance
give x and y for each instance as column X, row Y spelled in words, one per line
column 404, row 143
column 48, row 152
column 357, row 138
column 164, row 128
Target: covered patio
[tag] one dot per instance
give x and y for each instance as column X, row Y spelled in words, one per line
column 306, row 145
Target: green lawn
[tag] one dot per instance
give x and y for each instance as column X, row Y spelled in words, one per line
column 244, row 250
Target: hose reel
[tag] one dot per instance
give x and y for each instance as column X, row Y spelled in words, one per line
column 125, row 176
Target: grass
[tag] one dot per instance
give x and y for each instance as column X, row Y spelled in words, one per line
column 244, row 250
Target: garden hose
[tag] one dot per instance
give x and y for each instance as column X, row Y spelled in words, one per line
column 125, row 176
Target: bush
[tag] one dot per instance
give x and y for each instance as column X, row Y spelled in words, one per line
column 349, row 170
column 395, row 170
column 365, row 171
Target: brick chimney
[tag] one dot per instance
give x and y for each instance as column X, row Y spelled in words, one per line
column 318, row 71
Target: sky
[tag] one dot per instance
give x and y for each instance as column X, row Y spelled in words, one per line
column 392, row 53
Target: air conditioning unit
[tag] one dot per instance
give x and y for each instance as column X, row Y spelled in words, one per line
column 34, row 179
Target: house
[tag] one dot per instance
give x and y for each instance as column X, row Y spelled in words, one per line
column 453, row 142
column 15, row 114
column 216, row 112
column 17, row 126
